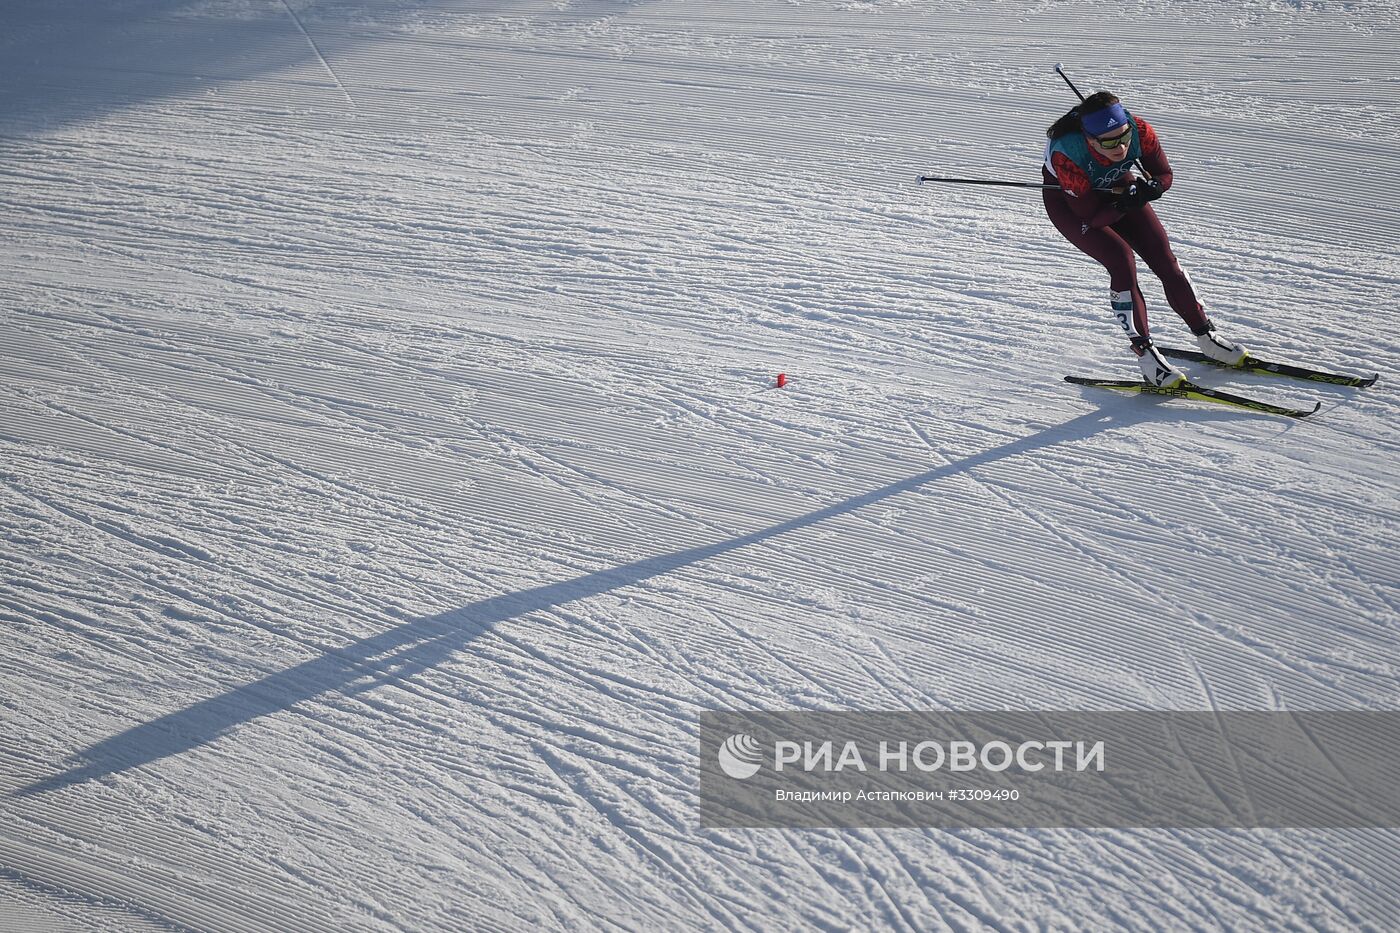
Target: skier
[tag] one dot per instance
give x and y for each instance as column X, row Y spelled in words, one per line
column 1106, row 211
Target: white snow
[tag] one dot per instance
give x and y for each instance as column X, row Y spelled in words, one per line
column 391, row 469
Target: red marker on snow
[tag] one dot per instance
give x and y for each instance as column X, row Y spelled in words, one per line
column 782, row 380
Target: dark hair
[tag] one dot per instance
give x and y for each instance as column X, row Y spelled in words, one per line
column 1070, row 122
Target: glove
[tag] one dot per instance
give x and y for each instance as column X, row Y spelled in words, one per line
column 1138, row 195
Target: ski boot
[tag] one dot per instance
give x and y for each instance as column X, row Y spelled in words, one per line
column 1221, row 349
column 1155, row 368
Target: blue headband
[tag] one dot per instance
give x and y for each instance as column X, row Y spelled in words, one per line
column 1101, row 121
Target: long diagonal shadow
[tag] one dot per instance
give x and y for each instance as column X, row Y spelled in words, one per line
column 423, row 643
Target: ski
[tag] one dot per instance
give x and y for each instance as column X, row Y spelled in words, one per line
column 1198, row 393
column 1278, row 369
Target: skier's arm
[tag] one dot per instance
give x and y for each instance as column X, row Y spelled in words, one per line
column 1153, row 158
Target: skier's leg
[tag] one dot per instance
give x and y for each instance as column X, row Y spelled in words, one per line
column 1143, row 230
column 1113, row 253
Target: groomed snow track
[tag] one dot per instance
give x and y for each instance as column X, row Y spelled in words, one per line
column 390, row 469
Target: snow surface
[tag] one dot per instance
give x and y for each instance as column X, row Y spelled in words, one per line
column 392, row 472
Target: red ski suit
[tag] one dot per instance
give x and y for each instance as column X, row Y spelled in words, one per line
column 1087, row 218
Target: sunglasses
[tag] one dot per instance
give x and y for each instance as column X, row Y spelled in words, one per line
column 1115, row 142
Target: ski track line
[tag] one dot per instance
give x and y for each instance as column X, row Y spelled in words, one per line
column 184, row 595
column 713, row 908
column 320, row 56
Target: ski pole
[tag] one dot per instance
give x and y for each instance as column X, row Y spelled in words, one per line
column 1060, row 70
column 982, row 181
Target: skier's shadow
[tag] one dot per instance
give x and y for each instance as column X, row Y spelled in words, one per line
column 402, row 651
